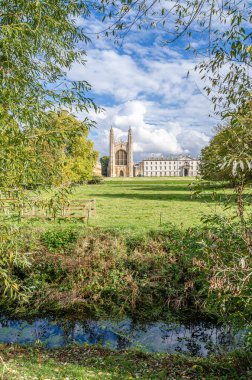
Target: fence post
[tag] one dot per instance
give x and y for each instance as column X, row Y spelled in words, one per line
column 88, row 211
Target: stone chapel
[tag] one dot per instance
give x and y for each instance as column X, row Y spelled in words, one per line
column 121, row 156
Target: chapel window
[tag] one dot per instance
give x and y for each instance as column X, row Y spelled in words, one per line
column 121, row 157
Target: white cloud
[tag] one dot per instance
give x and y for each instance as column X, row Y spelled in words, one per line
column 171, row 138
column 122, row 77
column 147, row 87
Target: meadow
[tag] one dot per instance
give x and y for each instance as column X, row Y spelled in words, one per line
column 142, row 203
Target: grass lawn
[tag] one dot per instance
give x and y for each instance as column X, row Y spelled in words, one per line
column 144, row 202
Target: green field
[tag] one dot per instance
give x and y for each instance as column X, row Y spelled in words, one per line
column 143, row 203
column 146, row 202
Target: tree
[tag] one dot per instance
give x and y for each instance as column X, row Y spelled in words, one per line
column 229, row 157
column 54, row 154
column 229, row 154
column 78, row 156
column 104, row 164
column 39, row 41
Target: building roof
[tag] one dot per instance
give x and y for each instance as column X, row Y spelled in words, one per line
column 171, row 158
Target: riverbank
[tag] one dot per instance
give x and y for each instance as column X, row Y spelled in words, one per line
column 86, row 363
column 150, row 275
column 144, row 275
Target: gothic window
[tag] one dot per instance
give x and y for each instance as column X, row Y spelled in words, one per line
column 121, row 157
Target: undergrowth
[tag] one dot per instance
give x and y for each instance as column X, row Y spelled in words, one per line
column 147, row 275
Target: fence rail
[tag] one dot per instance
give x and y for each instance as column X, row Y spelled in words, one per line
column 35, row 208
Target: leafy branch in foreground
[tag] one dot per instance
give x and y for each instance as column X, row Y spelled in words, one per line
column 229, row 157
column 11, row 259
column 218, row 32
column 56, row 153
column 39, row 42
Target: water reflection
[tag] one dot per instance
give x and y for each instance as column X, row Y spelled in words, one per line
column 199, row 339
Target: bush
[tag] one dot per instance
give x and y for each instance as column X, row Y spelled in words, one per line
column 96, row 180
column 59, row 239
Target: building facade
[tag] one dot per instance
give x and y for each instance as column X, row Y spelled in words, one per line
column 180, row 166
column 121, row 162
column 120, row 156
column 97, row 170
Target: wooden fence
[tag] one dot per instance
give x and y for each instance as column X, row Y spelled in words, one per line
column 41, row 209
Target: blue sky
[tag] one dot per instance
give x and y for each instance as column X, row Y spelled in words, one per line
column 144, row 84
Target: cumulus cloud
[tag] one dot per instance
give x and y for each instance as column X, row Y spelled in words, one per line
column 125, row 78
column 171, row 138
column 145, row 86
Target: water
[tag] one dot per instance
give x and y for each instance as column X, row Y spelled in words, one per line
column 199, row 339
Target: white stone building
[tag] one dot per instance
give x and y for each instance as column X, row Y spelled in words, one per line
column 121, row 162
column 120, row 156
column 180, row 166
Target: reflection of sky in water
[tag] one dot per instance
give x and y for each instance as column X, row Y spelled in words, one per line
column 195, row 339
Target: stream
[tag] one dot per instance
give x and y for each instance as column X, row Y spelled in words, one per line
column 195, row 339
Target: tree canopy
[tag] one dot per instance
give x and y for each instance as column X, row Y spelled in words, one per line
column 58, row 153
column 39, row 42
column 229, row 154
column 104, row 164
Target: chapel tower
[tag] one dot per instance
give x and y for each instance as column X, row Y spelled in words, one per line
column 120, row 156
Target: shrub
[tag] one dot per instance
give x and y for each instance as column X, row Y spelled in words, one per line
column 96, row 180
column 59, row 239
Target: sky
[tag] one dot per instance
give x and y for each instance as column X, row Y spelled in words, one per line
column 144, row 84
